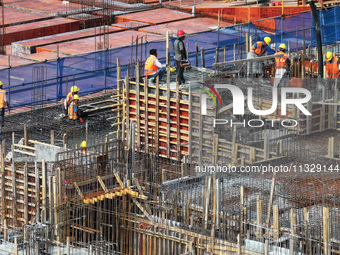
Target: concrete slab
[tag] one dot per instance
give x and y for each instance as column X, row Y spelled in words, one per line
column 39, row 28
column 118, row 39
column 29, row 46
column 17, row 16
column 154, row 17
column 189, row 26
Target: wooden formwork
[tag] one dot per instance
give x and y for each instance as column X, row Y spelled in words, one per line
column 176, row 128
column 23, row 194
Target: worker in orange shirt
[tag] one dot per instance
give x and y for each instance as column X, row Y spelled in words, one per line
column 257, row 50
column 332, row 66
column 153, row 67
column 73, row 109
column 3, row 103
column 282, row 66
column 332, row 69
column 68, row 100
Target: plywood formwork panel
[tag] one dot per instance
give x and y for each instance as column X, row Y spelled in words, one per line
column 154, row 17
column 44, row 6
column 12, row 61
column 19, row 16
column 189, row 26
column 38, row 29
column 29, row 46
column 176, row 127
column 43, row 56
column 118, row 39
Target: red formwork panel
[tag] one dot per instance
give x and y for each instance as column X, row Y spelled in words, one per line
column 17, row 16
column 13, row 61
column 29, row 46
column 47, row 6
column 87, row 20
column 189, row 26
column 38, row 29
column 251, row 14
column 43, row 56
column 130, row 25
column 154, row 17
column 89, row 44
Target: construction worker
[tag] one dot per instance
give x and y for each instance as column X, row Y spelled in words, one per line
column 3, row 103
column 282, row 65
column 258, row 49
column 83, row 147
column 332, row 66
column 153, row 67
column 180, row 55
column 73, row 109
column 68, row 100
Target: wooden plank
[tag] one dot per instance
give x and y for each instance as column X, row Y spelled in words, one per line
column 102, row 184
column 325, row 226
column 14, row 194
column 37, row 192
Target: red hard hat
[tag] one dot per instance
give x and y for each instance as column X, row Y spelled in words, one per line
column 180, row 33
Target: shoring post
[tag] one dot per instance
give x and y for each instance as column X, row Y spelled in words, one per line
column 196, row 55
column 276, row 221
column 37, row 192
column 247, row 43
column 272, row 189
column 258, row 218
column 326, row 238
column 331, row 147
column 225, row 54
column 52, row 137
column 25, row 135
column 266, row 247
column 68, row 248
column 293, row 230
column 202, row 57
column 239, row 251
column 16, row 252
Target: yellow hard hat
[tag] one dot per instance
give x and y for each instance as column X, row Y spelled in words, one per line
column 283, row 46
column 83, row 144
column 75, row 97
column 74, row 89
column 267, row 40
column 329, row 55
column 172, row 69
column 1, row 83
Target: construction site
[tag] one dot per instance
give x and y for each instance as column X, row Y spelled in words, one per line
column 231, row 161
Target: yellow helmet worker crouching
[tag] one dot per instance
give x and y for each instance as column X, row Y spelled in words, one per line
column 83, row 147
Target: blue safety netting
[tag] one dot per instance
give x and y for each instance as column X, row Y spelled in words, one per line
column 97, row 71
column 293, row 29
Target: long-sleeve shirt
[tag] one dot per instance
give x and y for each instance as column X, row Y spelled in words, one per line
column 157, row 63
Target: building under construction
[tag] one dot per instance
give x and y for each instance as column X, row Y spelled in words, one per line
column 168, row 170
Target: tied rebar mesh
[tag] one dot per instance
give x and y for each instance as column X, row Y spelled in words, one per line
column 39, row 75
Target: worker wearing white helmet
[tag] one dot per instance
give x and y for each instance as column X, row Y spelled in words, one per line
column 282, row 66
column 3, row 103
column 68, row 100
column 257, row 50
